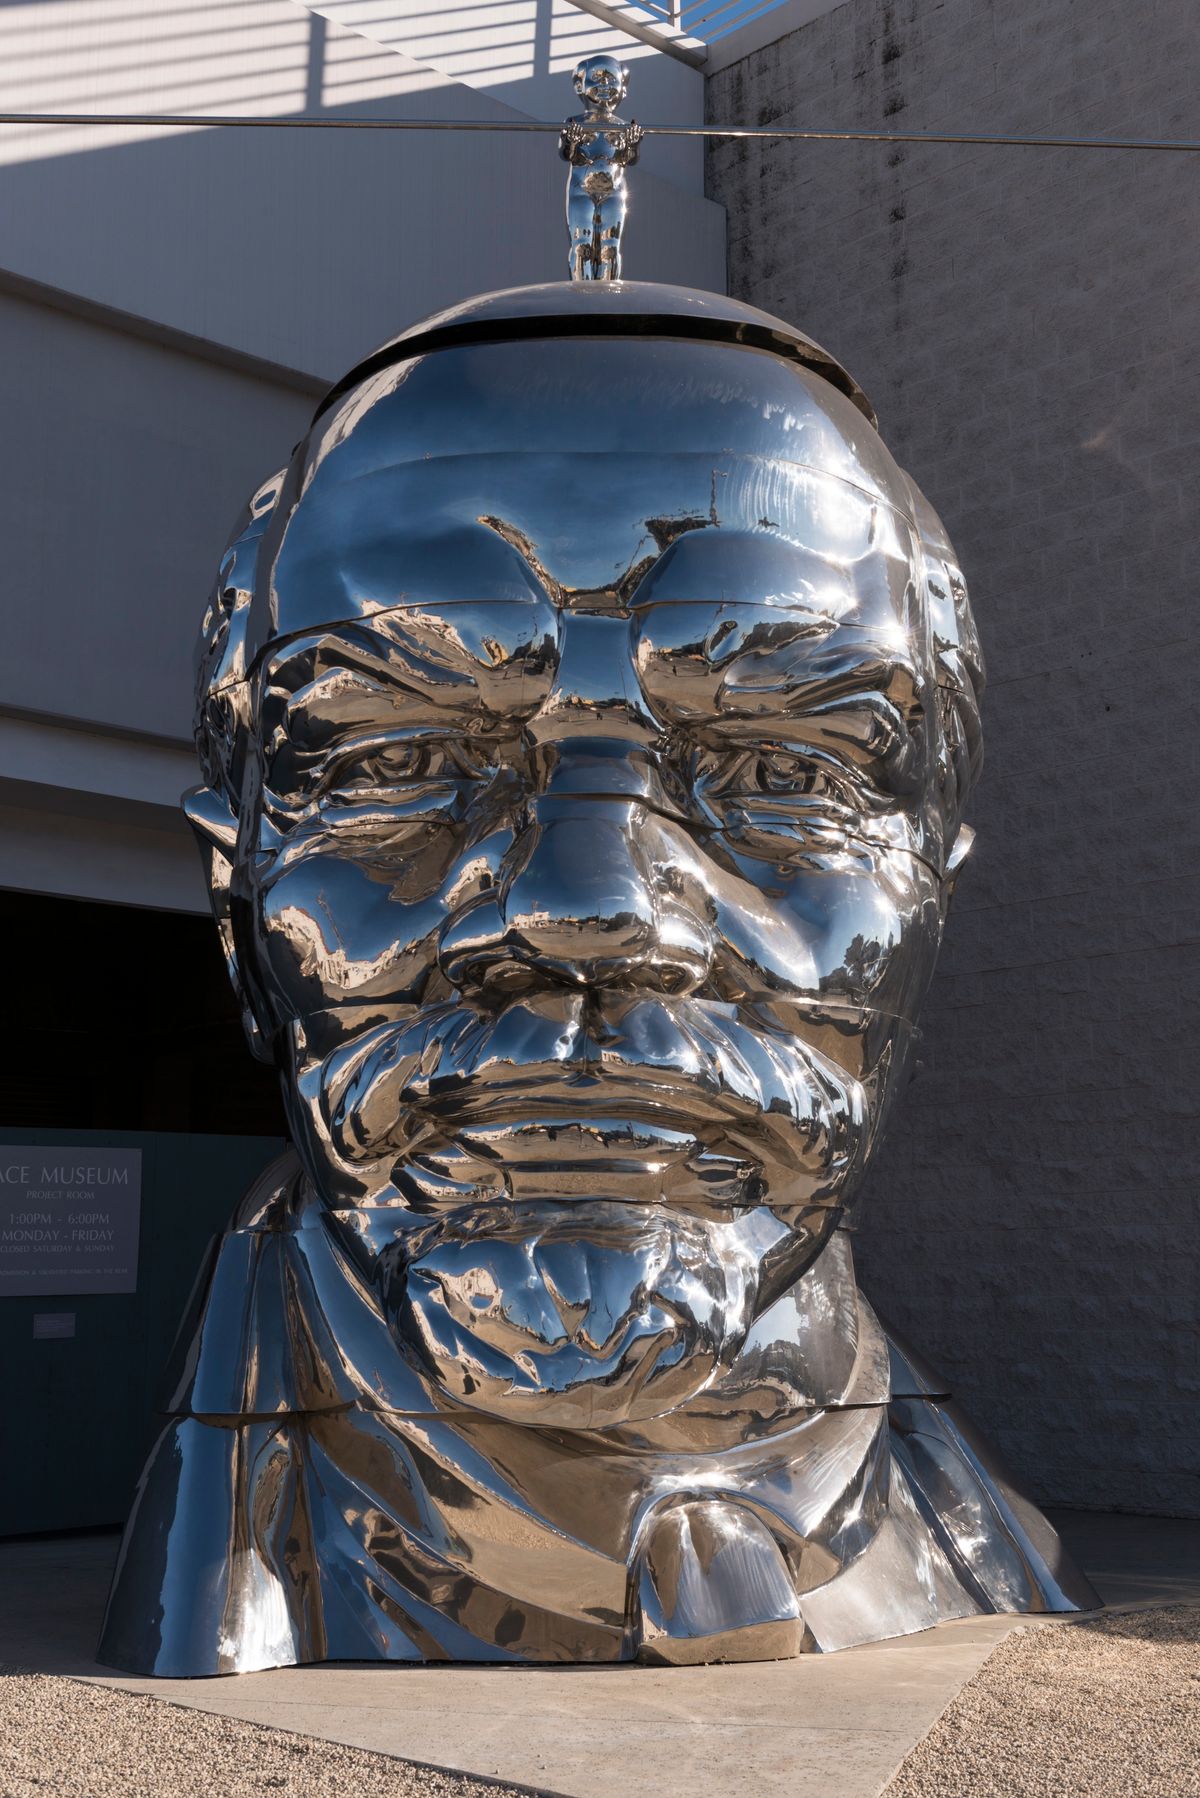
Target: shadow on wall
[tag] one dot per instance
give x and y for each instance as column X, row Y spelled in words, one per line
column 304, row 247
column 218, row 55
column 1032, row 1222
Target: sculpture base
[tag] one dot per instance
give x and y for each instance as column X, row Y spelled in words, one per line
column 267, row 1543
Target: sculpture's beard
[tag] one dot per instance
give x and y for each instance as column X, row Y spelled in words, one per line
column 615, row 1190
column 578, row 1316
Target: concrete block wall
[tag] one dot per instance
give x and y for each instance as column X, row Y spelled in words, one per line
column 1028, row 325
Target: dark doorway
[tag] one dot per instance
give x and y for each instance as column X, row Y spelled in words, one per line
column 121, row 1018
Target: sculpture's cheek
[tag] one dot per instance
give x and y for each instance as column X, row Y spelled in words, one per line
column 331, row 930
column 873, row 940
column 859, row 937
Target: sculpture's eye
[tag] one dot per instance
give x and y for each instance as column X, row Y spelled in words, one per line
column 775, row 775
column 396, row 762
column 474, row 758
column 783, row 771
column 403, row 762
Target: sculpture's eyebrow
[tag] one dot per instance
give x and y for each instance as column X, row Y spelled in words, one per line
column 337, row 688
column 798, row 677
column 409, row 670
column 856, row 654
column 742, row 567
column 759, row 648
column 383, row 543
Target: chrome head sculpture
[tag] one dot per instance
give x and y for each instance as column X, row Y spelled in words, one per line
column 598, row 147
column 587, row 716
column 596, row 801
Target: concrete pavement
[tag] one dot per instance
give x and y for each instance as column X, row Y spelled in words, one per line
column 832, row 1726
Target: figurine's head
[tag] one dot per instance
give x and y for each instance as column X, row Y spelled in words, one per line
column 582, row 808
column 601, row 81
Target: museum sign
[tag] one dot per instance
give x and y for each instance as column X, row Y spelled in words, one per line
column 68, row 1220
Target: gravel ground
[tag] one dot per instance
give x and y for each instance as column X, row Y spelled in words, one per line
column 61, row 1737
column 1107, row 1708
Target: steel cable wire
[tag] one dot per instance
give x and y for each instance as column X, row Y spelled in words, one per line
column 300, row 122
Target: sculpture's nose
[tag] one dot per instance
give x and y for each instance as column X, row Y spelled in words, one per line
column 596, row 901
column 600, row 890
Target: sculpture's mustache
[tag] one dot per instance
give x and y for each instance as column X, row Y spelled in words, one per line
column 684, row 1066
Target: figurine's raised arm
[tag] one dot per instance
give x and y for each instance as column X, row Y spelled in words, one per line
column 630, row 143
column 571, row 140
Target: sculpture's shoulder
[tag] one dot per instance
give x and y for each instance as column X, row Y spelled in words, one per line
column 277, row 1198
column 282, row 1320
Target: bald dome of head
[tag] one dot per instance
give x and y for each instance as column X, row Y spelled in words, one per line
column 564, row 459
column 596, row 446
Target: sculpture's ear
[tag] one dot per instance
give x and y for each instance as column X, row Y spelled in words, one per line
column 215, row 824
column 212, row 819
column 958, row 854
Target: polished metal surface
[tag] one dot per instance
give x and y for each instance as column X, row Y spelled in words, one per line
column 586, row 718
column 598, row 147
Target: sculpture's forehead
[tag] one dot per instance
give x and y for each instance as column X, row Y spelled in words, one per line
column 568, row 471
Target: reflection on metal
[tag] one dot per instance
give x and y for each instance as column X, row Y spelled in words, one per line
column 586, row 718
column 598, row 147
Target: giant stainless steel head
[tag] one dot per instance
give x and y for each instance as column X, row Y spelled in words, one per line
column 587, row 714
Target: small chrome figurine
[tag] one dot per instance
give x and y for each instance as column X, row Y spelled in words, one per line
column 599, row 147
